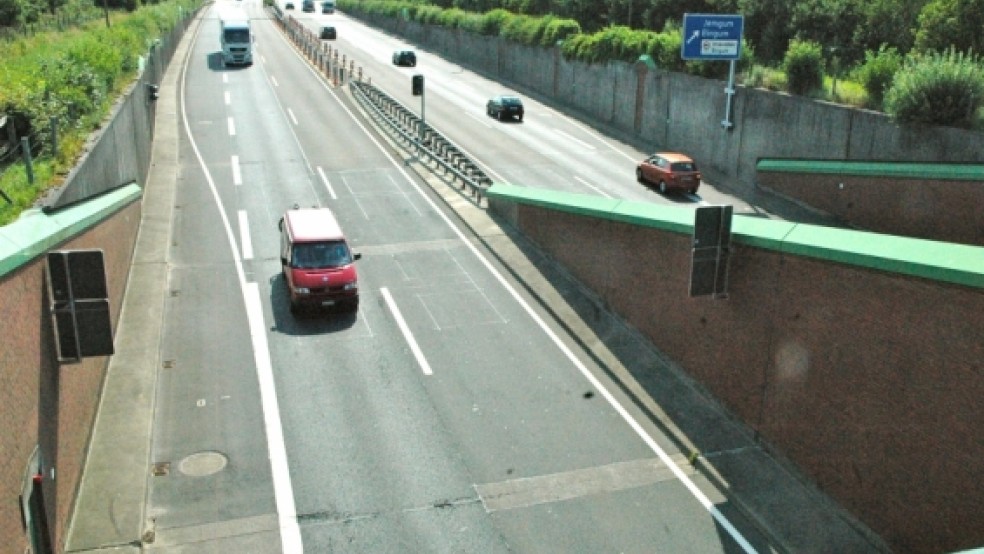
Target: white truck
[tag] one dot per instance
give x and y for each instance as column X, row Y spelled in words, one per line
column 236, row 38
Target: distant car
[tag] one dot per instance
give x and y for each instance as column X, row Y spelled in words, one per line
column 405, row 57
column 289, row 6
column 328, row 33
column 503, row 107
column 307, row 6
column 328, row 6
column 669, row 171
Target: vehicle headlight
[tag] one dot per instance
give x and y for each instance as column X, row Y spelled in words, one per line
column 354, row 285
column 303, row 290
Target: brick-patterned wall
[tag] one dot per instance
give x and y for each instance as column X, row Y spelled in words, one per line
column 32, row 383
column 870, row 382
column 932, row 209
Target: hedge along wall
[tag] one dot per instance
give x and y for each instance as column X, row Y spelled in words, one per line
column 684, row 112
column 858, row 356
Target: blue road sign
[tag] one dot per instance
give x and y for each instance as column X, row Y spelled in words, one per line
column 712, row 36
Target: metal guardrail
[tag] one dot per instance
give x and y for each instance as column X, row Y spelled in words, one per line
column 406, row 126
column 385, row 110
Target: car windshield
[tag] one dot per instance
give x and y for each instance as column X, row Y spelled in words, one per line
column 510, row 101
column 683, row 166
column 313, row 255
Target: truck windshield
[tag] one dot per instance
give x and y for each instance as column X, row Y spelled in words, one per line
column 237, row 35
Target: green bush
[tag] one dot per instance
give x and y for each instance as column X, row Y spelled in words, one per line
column 938, row 89
column 877, row 72
column 803, row 65
column 558, row 29
column 70, row 77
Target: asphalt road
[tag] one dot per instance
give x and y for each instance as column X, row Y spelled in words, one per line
column 450, row 414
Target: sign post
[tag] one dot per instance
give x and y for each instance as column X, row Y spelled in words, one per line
column 714, row 37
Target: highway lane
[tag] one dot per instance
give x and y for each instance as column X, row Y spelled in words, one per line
column 448, row 414
column 547, row 150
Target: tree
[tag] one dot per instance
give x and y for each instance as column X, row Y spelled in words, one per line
column 888, row 22
column 957, row 24
column 9, row 12
column 830, row 23
column 767, row 27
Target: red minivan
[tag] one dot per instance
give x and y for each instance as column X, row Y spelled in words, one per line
column 317, row 262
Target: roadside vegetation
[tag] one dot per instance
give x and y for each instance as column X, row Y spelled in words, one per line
column 64, row 62
column 59, row 76
column 913, row 59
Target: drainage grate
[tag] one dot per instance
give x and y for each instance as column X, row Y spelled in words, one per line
column 168, row 364
column 160, row 469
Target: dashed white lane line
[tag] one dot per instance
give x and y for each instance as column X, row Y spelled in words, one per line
column 405, row 329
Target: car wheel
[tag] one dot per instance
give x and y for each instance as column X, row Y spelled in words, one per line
column 662, row 187
column 498, row 115
column 693, row 191
column 520, row 118
column 639, row 176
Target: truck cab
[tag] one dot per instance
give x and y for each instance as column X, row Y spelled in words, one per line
column 235, row 38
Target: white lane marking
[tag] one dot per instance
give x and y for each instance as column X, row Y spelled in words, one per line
column 324, row 179
column 293, row 118
column 592, row 187
column 232, row 127
column 407, row 335
column 640, row 431
column 228, row 98
column 290, row 530
column 225, row 77
column 572, row 139
column 481, row 120
column 244, row 236
column 273, row 80
column 237, row 175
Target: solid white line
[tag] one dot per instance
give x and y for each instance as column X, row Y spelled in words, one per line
column 225, row 77
column 324, row 179
column 232, row 127
column 290, row 112
column 407, row 335
column 274, row 81
column 244, row 236
column 651, row 442
column 572, row 139
column 237, row 175
column 290, row 530
column 228, row 98
column 592, row 187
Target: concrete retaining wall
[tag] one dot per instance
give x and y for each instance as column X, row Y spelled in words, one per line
column 868, row 380
column 46, row 405
column 682, row 112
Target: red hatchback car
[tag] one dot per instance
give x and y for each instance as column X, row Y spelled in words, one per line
column 669, row 171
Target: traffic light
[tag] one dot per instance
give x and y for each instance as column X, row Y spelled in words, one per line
column 417, row 85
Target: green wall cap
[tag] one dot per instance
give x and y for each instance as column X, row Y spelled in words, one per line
column 939, row 261
column 905, row 170
column 34, row 233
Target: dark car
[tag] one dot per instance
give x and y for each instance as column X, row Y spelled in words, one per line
column 669, row 171
column 405, row 57
column 503, row 107
column 307, row 6
column 328, row 33
column 289, row 6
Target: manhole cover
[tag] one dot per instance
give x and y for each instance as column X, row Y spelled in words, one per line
column 202, row 464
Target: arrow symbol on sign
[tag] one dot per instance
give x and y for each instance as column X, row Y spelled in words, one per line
column 693, row 36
